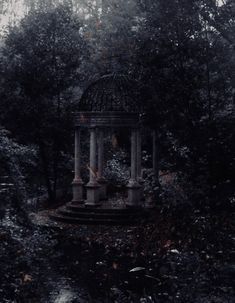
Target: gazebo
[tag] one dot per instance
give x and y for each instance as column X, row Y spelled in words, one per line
column 111, row 102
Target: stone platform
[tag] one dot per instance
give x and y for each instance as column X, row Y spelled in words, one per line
column 104, row 215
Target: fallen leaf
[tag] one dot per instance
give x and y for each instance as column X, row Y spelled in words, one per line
column 27, row 278
column 174, row 251
column 135, row 269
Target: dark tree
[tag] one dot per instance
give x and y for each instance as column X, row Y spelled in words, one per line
column 41, row 60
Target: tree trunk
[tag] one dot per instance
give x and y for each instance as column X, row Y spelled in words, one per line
column 46, row 173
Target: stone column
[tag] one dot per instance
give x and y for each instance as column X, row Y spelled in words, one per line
column 101, row 180
column 133, row 155
column 92, row 186
column 139, row 156
column 77, row 181
column 139, row 161
column 133, row 185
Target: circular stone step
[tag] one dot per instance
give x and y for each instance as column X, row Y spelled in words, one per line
column 98, row 215
column 84, row 209
column 80, row 214
column 102, row 215
column 93, row 221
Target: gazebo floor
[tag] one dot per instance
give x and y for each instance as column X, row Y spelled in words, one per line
column 103, row 215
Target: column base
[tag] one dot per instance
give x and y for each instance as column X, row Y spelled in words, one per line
column 134, row 197
column 93, row 194
column 77, row 185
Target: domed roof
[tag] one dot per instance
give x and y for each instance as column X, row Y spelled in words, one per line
column 118, row 93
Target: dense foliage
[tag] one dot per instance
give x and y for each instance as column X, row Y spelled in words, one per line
column 40, row 65
column 182, row 52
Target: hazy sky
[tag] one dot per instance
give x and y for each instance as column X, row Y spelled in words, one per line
column 15, row 10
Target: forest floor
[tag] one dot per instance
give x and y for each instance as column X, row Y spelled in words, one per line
column 185, row 256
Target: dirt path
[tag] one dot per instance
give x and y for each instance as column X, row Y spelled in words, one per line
column 185, row 258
